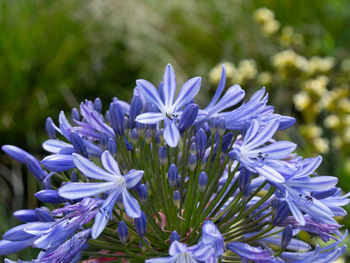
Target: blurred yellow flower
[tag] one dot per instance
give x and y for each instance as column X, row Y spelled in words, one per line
column 332, row 121
column 321, row 145
column 265, row 78
column 301, row 100
column 263, row 15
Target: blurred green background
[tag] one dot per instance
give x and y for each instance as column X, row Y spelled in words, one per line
column 54, row 54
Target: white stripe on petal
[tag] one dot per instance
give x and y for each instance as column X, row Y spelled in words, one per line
column 187, row 92
column 171, row 133
column 109, row 163
column 131, row 206
column 150, row 117
column 81, row 190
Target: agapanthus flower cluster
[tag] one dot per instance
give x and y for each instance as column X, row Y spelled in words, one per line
column 164, row 180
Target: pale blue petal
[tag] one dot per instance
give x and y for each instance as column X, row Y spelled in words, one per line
column 232, row 96
column 298, row 215
column 171, row 133
column 150, row 92
column 99, row 125
column 90, row 169
column 150, row 117
column 313, row 164
column 176, row 248
column 65, row 126
column 277, row 150
column 133, row 177
column 219, row 90
column 54, row 146
column 252, row 131
column 169, row 86
column 80, row 190
column 264, row 135
column 318, row 183
column 161, row 260
column 131, row 206
column 10, row 247
column 109, row 163
column 270, row 174
column 188, row 91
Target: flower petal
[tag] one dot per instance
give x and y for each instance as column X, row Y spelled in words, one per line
column 169, row 86
column 150, row 117
column 133, row 177
column 270, row 174
column 263, row 135
column 109, row 163
column 219, row 90
column 171, row 133
column 278, row 150
column 298, row 215
column 80, row 190
column 55, row 146
column 187, row 92
column 131, row 206
column 90, row 169
column 150, row 92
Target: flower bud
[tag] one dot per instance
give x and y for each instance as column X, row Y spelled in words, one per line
column 126, row 124
column 176, row 198
column 26, row 215
column 188, row 116
column 287, row 235
column 44, row 214
column 134, row 136
column 202, row 181
column 35, row 168
column 58, row 162
column 163, row 158
column 142, row 191
column 16, row 153
column 123, row 232
column 112, row 146
column 141, row 128
column 173, row 175
column 98, row 105
column 74, row 177
column 49, row 196
column 148, row 136
column 107, row 117
column 213, row 125
column 174, row 237
column 50, row 129
column 116, row 114
column 193, row 148
column 244, row 182
column 221, row 126
column 192, row 162
column 78, row 143
column 201, row 143
column 103, row 139
column 135, row 110
column 282, row 213
column 75, row 116
column 226, row 141
column 140, row 224
column 128, row 145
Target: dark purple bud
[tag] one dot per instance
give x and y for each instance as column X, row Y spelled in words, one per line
column 123, row 232
column 226, row 141
column 116, row 114
column 17, row 233
column 140, row 224
column 35, row 168
column 103, row 139
column 50, row 129
column 188, row 116
column 74, row 177
column 192, row 162
column 221, row 126
column 202, row 181
column 193, row 148
column 112, row 146
column 244, row 182
column 49, row 196
column 201, row 143
column 282, row 213
column 163, row 158
column 44, row 214
column 16, row 153
column 58, row 162
column 287, row 235
column 174, row 237
column 142, row 191
column 127, row 144
column 141, row 128
column 172, row 175
column 134, row 136
column 78, row 144
column 135, row 110
column 26, row 215
column 75, row 114
column 176, row 198
column 98, row 105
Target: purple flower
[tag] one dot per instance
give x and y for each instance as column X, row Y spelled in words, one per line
column 116, row 185
column 169, row 109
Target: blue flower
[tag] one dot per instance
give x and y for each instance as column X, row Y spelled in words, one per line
column 116, row 185
column 253, row 154
column 169, row 110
